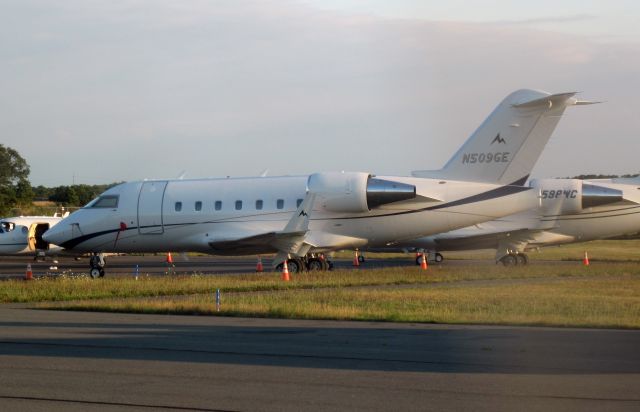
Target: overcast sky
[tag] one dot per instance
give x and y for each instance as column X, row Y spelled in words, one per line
column 103, row 91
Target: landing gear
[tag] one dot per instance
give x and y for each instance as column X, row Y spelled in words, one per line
column 97, row 264
column 316, row 264
column 361, row 258
column 522, row 259
column 514, row 259
column 311, row 262
column 434, row 257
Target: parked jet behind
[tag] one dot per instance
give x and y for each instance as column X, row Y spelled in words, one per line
column 23, row 235
column 301, row 216
column 570, row 211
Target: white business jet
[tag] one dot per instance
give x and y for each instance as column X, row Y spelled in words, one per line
column 570, row 211
column 298, row 217
column 22, row 235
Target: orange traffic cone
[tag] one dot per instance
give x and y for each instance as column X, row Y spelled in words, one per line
column 356, row 262
column 423, row 262
column 259, row 267
column 585, row 261
column 285, row 272
column 29, row 274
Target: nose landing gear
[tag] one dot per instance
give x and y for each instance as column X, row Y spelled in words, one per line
column 97, row 264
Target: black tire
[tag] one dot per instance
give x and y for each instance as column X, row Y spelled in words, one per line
column 316, row 265
column 361, row 259
column 95, row 273
column 439, row 258
column 509, row 260
column 294, row 265
column 522, row 259
column 419, row 259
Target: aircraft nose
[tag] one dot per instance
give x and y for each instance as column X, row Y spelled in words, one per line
column 58, row 234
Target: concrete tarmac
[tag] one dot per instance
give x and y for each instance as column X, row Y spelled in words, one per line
column 74, row 361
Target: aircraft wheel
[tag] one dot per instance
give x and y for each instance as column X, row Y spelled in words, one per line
column 439, row 258
column 509, row 260
column 294, row 265
column 101, row 272
column 361, row 259
column 96, row 273
column 522, row 259
column 315, row 265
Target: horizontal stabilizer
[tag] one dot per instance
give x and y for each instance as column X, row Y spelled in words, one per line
column 549, row 100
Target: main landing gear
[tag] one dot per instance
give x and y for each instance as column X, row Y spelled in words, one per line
column 514, row 259
column 97, row 264
column 311, row 263
column 435, row 257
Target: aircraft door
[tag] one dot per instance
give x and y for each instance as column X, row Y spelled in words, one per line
column 32, row 236
column 150, row 207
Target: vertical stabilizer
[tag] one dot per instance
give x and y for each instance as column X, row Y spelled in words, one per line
column 508, row 143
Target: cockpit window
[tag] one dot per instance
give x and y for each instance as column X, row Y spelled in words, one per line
column 105, row 202
column 7, row 226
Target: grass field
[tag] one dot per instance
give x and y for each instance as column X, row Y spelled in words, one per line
column 605, row 294
column 583, row 302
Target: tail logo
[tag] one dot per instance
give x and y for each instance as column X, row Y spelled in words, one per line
column 498, row 139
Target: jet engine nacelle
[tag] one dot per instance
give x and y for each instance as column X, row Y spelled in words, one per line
column 568, row 196
column 355, row 192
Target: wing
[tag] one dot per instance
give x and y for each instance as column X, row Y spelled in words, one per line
column 289, row 241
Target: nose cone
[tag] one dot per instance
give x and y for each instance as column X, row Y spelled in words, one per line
column 58, row 234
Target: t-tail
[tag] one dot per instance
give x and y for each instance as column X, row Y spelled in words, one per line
column 508, row 143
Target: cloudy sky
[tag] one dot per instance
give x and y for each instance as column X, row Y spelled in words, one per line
column 101, row 91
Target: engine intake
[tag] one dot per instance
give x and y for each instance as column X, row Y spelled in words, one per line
column 356, row 192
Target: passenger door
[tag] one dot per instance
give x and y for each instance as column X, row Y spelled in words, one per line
column 150, row 207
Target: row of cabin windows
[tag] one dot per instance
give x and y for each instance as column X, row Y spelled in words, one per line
column 238, row 205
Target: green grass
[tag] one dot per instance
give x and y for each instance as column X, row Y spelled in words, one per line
column 557, row 294
column 74, row 288
column 585, row 302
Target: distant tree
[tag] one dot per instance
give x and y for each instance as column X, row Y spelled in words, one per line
column 75, row 195
column 14, row 182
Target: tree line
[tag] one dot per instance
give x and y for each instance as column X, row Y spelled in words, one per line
column 17, row 194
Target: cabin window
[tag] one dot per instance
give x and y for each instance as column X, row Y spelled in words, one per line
column 218, row 205
column 106, row 202
column 259, row 204
column 25, row 230
column 280, row 203
column 298, row 202
column 178, row 206
column 238, row 204
column 198, row 206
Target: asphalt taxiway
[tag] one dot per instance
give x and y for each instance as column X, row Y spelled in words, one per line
column 14, row 267
column 54, row 361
